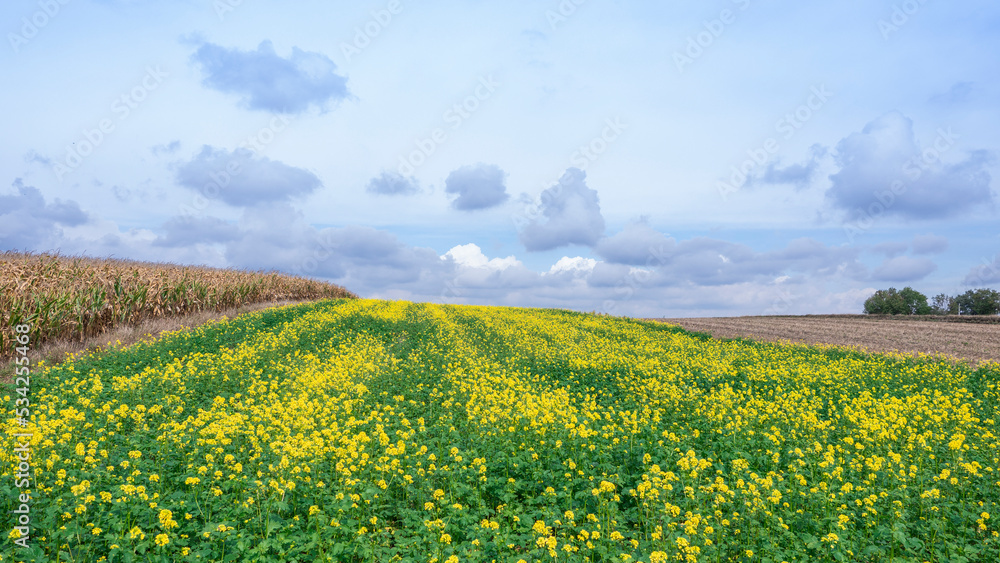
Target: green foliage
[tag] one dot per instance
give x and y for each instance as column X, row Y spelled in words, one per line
column 915, row 302
column 944, row 305
column 360, row 431
column 979, row 302
column 892, row 302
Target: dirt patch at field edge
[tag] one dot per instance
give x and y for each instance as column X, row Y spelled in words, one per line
column 973, row 341
column 55, row 351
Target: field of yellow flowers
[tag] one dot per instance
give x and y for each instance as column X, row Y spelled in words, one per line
column 363, row 430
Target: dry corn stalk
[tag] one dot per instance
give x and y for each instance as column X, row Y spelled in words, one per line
column 76, row 297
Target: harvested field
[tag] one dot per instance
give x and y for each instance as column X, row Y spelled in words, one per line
column 976, row 339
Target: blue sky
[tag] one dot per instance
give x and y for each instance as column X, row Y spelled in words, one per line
column 638, row 158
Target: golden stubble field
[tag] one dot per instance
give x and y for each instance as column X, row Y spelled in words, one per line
column 973, row 339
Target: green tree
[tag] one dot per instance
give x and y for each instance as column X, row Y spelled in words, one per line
column 885, row 302
column 908, row 301
column 944, row 305
column 915, row 302
column 979, row 302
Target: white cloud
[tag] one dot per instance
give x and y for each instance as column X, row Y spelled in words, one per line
column 575, row 265
column 471, row 256
column 572, row 215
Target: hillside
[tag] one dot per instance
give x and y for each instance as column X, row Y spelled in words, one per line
column 357, row 430
column 73, row 303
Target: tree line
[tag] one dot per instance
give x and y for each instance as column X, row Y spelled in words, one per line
column 909, row 301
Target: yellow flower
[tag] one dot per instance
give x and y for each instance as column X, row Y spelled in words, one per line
column 161, row 540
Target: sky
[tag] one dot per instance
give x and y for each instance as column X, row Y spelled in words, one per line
column 638, row 158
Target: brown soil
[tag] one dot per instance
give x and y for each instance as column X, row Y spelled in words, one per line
column 968, row 338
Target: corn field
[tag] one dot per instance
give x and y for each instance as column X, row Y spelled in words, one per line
column 72, row 297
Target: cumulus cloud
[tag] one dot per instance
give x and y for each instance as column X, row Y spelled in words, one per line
column 797, row 175
column 240, row 178
column 711, row 262
column 187, row 231
column 269, row 82
column 958, row 93
column 478, row 186
column 929, row 244
column 363, row 259
column 572, row 212
column 33, row 156
column 576, row 266
column 891, row 249
column 903, row 269
column 168, row 148
column 636, row 244
column 919, row 244
column 392, row 183
column 702, row 277
column 886, row 152
column 474, row 277
column 986, row 273
column 695, row 276
column 27, row 220
column 471, row 256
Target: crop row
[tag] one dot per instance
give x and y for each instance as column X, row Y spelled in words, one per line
column 64, row 297
column 361, row 430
